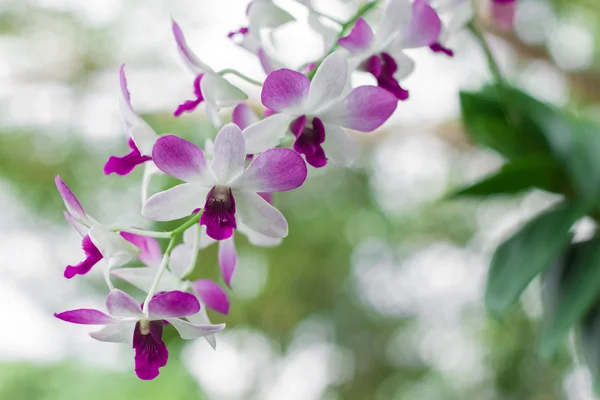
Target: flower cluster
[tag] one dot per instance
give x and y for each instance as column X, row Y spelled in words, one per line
column 227, row 185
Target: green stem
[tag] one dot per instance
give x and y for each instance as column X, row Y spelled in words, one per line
column 155, row 234
column 345, row 27
column 493, row 64
column 239, row 75
column 165, row 260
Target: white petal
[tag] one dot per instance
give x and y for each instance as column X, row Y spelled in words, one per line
column 144, row 138
column 143, row 277
column 201, row 318
column 267, row 133
column 115, row 333
column 175, row 203
column 113, row 247
column 256, row 238
column 190, row 59
column 339, row 146
column 205, row 240
column 394, row 18
column 329, row 82
column 259, row 215
column 187, row 330
column 150, row 169
column 229, row 154
column 218, row 92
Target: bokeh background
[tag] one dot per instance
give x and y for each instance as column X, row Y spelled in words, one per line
column 376, row 293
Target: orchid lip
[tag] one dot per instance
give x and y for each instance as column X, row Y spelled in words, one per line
column 219, row 213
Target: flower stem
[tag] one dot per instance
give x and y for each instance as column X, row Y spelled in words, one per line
column 231, row 71
column 155, row 234
column 493, row 64
column 165, row 260
column 345, row 27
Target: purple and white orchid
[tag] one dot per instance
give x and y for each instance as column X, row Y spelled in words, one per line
column 209, row 86
column 127, row 322
column 98, row 242
column 227, row 191
column 504, row 13
column 381, row 53
column 317, row 112
column 455, row 15
column 141, row 141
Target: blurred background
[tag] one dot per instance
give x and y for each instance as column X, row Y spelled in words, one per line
column 376, row 293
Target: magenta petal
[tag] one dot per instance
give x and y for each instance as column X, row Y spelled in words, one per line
column 386, row 79
column 179, row 158
column 84, row 316
column 438, row 48
column 212, row 295
column 297, row 125
column 359, row 39
column 92, row 256
column 365, row 109
column 243, row 116
column 219, row 213
column 191, row 105
column 504, row 13
column 227, row 259
column 275, row 170
column 424, row 28
column 309, row 143
column 124, row 165
column 173, row 304
column 374, row 66
column 151, row 254
column 284, row 89
column 71, row 202
column 150, row 351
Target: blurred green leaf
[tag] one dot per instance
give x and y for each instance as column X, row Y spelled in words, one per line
column 571, row 290
column 536, row 171
column 500, row 126
column 527, row 253
column 589, row 335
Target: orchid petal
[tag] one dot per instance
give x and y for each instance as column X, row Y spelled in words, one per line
column 181, row 258
column 151, row 254
column 128, row 114
column 360, row 38
column 229, row 159
column 227, row 259
column 218, row 92
column 173, row 304
column 78, row 226
column 193, row 63
column 285, row 90
column 212, row 295
column 142, row 278
column 85, row 316
column 180, row 159
column 265, row 14
column 425, row 26
column 114, row 333
column 259, row 215
column 274, row 170
column 504, row 13
column 144, row 138
column 267, row 133
column 404, row 64
column 112, row 246
column 329, row 82
column 121, row 305
column 201, row 318
column 177, row 202
column 256, row 238
column 396, row 15
column 339, row 146
column 205, row 240
column 365, row 109
column 243, row 116
column 187, row 330
column 73, row 205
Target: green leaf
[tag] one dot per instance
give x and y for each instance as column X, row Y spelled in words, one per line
column 527, row 253
column 537, row 171
column 492, row 121
column 571, row 289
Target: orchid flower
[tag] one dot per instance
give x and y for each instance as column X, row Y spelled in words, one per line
column 226, row 190
column 98, row 242
column 504, row 13
column 317, row 112
column 209, row 295
column 243, row 116
column 208, row 85
column 381, row 53
column 126, row 322
column 455, row 15
column 141, row 140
